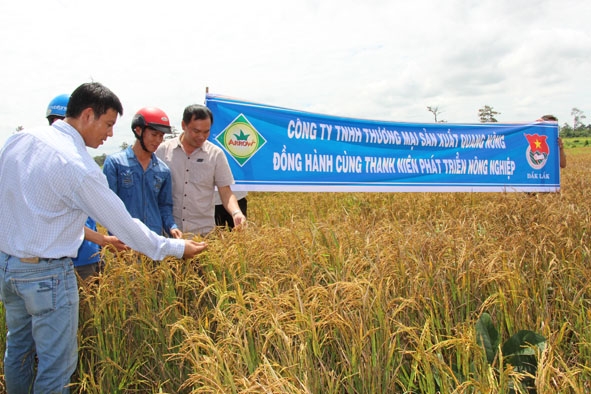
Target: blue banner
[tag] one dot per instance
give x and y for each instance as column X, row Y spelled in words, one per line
column 278, row 149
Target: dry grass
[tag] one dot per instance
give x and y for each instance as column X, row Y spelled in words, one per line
column 353, row 293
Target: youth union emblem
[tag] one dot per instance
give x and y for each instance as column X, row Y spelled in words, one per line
column 538, row 150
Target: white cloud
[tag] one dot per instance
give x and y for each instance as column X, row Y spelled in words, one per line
column 376, row 59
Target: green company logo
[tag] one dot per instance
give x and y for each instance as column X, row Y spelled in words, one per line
column 241, row 140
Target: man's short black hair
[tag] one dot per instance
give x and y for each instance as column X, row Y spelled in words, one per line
column 92, row 95
column 196, row 111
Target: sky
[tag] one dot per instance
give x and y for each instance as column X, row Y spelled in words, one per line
column 373, row 59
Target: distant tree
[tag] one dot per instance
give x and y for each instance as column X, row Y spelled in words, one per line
column 566, row 130
column 487, row 114
column 124, row 145
column 435, row 111
column 577, row 115
column 100, row 160
column 19, row 129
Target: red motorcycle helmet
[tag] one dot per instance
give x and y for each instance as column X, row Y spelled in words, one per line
column 153, row 118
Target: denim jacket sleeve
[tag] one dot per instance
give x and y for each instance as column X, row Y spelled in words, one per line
column 165, row 204
column 110, row 171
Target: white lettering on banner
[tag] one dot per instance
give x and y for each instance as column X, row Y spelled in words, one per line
column 502, row 167
column 301, row 130
column 382, row 136
column 477, row 167
column 409, row 138
column 323, row 128
column 448, row 140
column 454, row 166
column 428, row 139
column 348, row 134
column 430, row 166
column 495, row 141
column 345, row 164
column 327, row 163
column 543, row 175
column 287, row 161
column 349, row 164
column 318, row 163
column 306, row 130
column 408, row 166
column 380, row 165
column 472, row 140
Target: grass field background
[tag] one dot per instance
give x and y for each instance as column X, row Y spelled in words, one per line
column 354, row 293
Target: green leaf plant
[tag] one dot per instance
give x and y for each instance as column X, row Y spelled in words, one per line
column 520, row 351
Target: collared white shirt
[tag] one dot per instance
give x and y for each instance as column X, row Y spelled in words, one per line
column 49, row 185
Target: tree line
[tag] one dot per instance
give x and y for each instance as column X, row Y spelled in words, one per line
column 578, row 129
column 488, row 114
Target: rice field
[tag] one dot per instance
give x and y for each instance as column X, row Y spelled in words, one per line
column 356, row 293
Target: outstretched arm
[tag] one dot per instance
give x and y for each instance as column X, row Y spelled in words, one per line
column 103, row 240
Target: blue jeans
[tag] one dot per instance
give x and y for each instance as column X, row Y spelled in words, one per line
column 41, row 303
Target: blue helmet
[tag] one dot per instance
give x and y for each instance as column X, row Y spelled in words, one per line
column 57, row 107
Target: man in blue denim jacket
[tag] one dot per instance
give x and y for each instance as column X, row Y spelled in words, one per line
column 141, row 179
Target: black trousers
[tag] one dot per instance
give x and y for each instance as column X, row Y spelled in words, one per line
column 223, row 218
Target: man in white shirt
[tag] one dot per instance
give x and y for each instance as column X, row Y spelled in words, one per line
column 49, row 185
